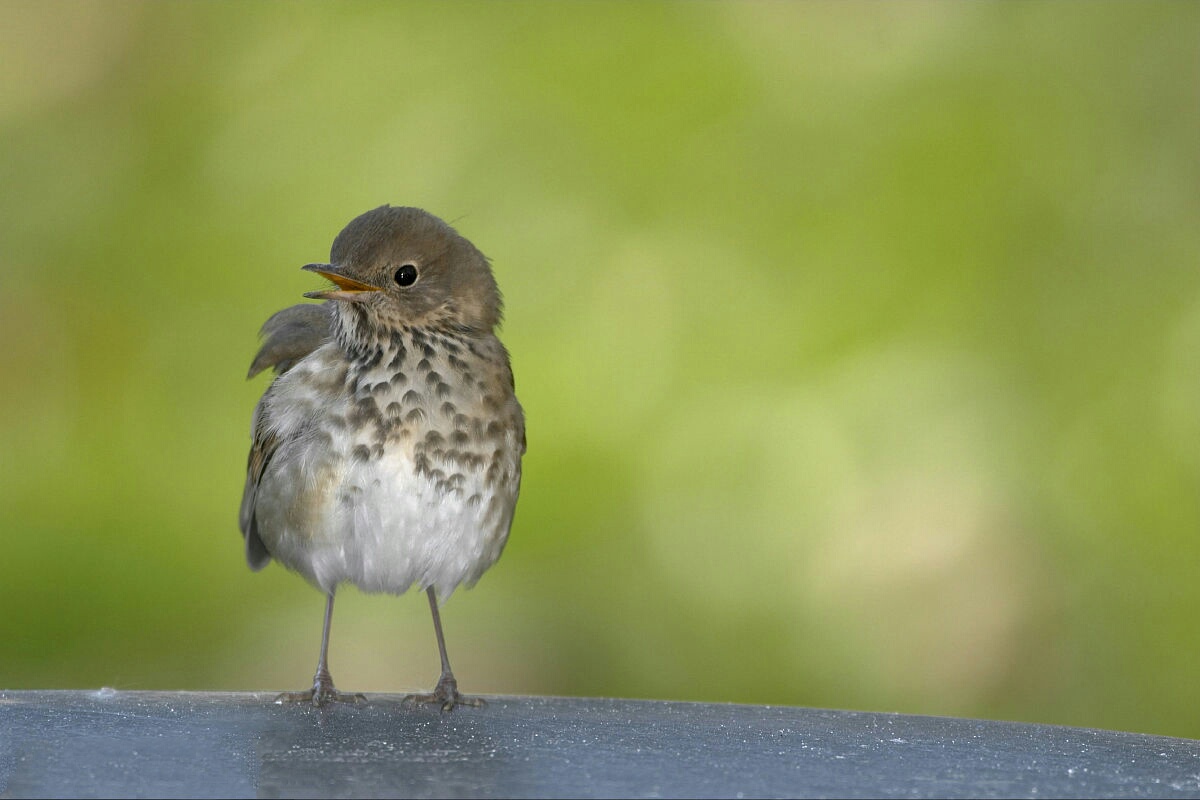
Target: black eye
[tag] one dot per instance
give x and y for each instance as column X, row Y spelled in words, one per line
column 406, row 275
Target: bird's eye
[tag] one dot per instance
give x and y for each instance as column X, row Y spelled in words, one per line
column 406, row 275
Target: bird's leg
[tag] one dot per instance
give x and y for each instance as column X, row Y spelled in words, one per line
column 445, row 693
column 323, row 691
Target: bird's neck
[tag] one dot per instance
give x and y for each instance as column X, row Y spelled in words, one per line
column 368, row 343
column 357, row 333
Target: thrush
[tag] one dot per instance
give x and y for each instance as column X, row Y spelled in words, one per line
column 387, row 450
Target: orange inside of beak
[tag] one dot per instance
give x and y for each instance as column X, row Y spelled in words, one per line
column 347, row 284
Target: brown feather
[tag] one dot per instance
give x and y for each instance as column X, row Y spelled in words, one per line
column 291, row 334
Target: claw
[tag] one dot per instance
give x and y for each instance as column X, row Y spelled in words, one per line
column 320, row 699
column 321, row 694
column 446, row 695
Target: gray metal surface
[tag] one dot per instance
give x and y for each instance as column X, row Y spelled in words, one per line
column 160, row 744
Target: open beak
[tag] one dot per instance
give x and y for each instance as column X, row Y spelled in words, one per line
column 348, row 288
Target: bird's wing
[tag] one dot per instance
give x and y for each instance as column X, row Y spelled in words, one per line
column 291, row 334
column 288, row 336
column 264, row 447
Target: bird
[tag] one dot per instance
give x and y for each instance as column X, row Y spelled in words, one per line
column 386, row 452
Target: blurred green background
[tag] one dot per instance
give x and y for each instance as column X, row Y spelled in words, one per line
column 859, row 343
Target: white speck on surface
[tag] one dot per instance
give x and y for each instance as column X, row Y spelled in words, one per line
column 104, row 692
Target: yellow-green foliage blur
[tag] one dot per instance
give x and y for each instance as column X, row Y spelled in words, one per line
column 859, row 344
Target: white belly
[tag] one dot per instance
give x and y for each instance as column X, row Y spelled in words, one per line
column 380, row 526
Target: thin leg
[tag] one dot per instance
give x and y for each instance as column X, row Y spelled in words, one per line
column 445, row 693
column 323, row 690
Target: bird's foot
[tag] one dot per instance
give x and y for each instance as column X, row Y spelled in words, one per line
column 446, row 695
column 321, row 694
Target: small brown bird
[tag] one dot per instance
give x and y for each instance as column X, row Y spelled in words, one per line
column 387, row 450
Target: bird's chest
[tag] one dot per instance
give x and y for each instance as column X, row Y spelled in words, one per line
column 422, row 422
column 406, row 468
column 430, row 421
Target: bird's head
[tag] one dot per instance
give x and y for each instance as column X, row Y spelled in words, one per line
column 397, row 266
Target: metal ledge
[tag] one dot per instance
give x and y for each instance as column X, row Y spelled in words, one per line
column 166, row 744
